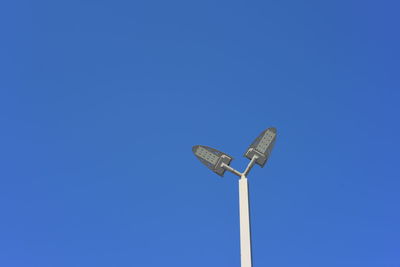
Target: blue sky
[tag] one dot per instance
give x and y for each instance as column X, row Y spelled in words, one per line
column 102, row 101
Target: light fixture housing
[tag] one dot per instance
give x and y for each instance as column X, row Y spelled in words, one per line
column 262, row 146
column 212, row 158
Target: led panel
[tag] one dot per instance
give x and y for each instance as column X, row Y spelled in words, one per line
column 208, row 156
column 265, row 141
column 212, row 158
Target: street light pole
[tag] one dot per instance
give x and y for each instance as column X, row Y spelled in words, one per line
column 245, row 233
column 244, row 213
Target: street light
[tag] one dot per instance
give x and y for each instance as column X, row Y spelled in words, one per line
column 217, row 161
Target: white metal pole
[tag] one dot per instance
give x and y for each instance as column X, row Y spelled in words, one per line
column 245, row 237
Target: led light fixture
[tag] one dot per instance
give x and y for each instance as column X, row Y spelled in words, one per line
column 212, row 158
column 262, row 146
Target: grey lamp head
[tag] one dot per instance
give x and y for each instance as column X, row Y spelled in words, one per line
column 262, row 146
column 212, row 158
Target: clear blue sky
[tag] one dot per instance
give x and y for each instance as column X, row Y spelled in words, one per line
column 102, row 101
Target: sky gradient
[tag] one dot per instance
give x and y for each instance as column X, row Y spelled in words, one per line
column 102, row 101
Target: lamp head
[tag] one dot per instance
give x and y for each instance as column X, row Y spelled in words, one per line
column 212, row 158
column 262, row 146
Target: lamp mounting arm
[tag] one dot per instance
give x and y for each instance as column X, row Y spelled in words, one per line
column 246, row 171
